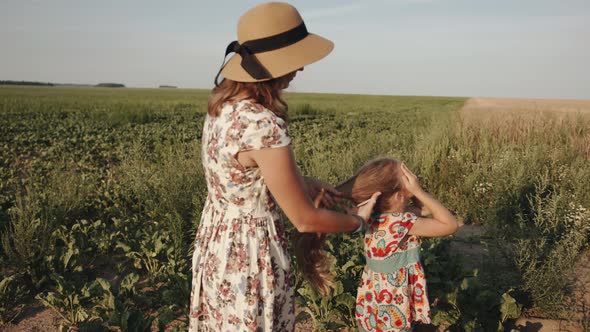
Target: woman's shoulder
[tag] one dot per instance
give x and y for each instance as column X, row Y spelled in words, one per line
column 248, row 111
column 247, row 107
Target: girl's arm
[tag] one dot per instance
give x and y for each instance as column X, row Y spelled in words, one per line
column 421, row 209
column 442, row 222
column 282, row 176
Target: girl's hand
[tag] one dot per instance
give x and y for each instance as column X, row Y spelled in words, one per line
column 364, row 209
column 410, row 180
column 329, row 195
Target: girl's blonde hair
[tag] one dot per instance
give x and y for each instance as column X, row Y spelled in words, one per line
column 266, row 93
column 381, row 175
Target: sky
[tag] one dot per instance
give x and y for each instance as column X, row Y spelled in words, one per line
column 493, row 48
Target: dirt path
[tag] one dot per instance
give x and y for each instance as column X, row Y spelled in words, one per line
column 527, row 105
column 467, row 244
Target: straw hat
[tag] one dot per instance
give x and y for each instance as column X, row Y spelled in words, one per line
column 272, row 41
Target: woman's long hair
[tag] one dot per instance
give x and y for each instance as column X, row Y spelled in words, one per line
column 378, row 175
column 266, row 93
column 312, row 260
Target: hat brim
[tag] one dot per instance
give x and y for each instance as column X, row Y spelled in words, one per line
column 281, row 61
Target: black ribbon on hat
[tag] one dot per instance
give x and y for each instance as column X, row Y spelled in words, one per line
column 248, row 49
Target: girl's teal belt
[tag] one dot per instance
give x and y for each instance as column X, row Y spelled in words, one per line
column 394, row 262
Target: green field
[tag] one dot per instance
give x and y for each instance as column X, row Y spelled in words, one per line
column 101, row 192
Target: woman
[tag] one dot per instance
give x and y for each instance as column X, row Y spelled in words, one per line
column 241, row 267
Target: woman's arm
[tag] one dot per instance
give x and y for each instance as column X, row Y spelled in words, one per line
column 285, row 183
column 442, row 222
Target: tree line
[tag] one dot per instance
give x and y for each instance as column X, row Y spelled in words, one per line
column 102, row 85
column 26, row 83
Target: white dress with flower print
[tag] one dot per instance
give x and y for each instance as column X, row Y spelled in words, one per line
column 241, row 267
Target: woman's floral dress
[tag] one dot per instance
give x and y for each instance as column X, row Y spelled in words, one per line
column 241, row 268
column 392, row 293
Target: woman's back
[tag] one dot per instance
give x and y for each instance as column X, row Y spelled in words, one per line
column 240, row 126
column 241, row 267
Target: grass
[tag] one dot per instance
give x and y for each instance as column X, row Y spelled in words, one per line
column 97, row 181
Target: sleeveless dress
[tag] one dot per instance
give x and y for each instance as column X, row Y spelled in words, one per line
column 392, row 292
column 241, row 278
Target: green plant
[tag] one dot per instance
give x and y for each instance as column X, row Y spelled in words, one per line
column 152, row 252
column 102, row 183
column 70, row 303
column 12, row 294
column 27, row 239
column 329, row 313
column 554, row 233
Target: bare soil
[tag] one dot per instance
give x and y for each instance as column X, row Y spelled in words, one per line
column 467, row 244
column 35, row 319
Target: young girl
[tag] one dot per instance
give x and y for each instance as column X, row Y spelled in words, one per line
column 392, row 293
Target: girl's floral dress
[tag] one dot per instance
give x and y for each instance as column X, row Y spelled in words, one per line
column 392, row 293
column 241, row 268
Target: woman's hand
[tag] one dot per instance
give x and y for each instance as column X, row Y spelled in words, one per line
column 330, row 196
column 410, row 180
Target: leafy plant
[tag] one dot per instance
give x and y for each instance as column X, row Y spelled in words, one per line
column 329, row 313
column 27, row 239
column 12, row 295
column 70, row 303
